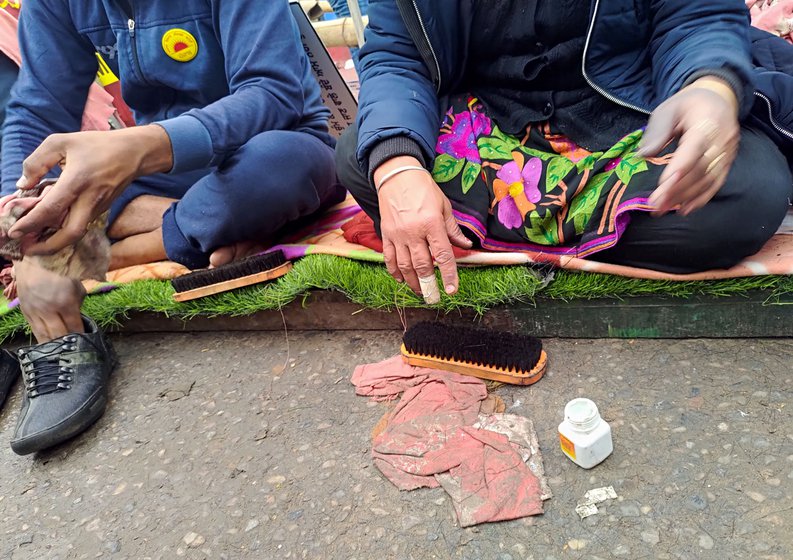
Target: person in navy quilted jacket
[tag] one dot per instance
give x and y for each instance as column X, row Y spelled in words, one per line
column 632, row 132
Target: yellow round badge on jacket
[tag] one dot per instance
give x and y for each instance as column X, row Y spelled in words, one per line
column 180, row 45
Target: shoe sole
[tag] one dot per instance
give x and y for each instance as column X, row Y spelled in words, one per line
column 77, row 423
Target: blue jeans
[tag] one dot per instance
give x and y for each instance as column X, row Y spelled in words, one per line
column 341, row 9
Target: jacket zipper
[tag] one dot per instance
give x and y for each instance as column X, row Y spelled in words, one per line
column 592, row 84
column 771, row 116
column 127, row 8
column 428, row 46
column 614, row 99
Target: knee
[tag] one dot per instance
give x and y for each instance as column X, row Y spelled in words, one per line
column 350, row 173
column 757, row 194
column 286, row 166
column 748, row 210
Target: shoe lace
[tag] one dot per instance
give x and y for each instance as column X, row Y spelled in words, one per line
column 50, row 371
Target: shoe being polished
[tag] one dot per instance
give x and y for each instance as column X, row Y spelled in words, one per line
column 65, row 388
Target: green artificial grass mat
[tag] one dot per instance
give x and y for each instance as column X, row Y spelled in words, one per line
column 369, row 285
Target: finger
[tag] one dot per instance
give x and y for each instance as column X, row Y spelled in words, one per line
column 36, row 166
column 455, row 234
column 706, row 196
column 441, row 250
column 687, row 187
column 429, row 289
column 422, row 259
column 47, row 213
column 717, row 162
column 697, row 191
column 687, row 167
column 660, row 130
column 389, row 255
column 72, row 230
column 405, row 266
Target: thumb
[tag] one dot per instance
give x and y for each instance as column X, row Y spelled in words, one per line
column 455, row 234
column 660, row 130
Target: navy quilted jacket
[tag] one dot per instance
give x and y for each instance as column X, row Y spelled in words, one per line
column 638, row 53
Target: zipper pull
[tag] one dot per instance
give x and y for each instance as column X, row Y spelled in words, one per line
column 131, row 27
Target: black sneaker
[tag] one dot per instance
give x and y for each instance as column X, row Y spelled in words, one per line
column 9, row 373
column 65, row 388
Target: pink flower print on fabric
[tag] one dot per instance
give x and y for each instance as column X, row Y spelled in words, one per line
column 516, row 190
column 459, row 135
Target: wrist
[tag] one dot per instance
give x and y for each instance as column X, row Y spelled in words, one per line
column 396, row 166
column 718, row 86
column 390, row 164
column 156, row 155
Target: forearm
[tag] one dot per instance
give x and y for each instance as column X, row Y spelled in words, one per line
column 268, row 80
column 206, row 137
column 398, row 111
column 701, row 39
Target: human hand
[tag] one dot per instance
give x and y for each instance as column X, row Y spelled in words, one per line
column 50, row 302
column 704, row 117
column 417, row 225
column 97, row 166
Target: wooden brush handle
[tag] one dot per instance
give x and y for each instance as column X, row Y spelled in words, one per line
column 482, row 372
column 229, row 285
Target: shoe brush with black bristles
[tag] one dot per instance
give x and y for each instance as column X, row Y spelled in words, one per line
column 245, row 272
column 484, row 353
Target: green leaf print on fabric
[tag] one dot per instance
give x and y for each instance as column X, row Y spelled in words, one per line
column 470, row 173
column 624, row 146
column 629, row 167
column 497, row 146
column 583, row 206
column 588, row 162
column 537, row 153
column 446, row 168
column 558, row 168
column 543, row 229
column 494, row 149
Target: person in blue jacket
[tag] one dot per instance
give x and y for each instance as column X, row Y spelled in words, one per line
column 628, row 131
column 232, row 146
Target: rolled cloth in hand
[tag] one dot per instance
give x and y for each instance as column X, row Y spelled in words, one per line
column 88, row 259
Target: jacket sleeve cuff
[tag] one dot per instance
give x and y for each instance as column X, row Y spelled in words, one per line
column 730, row 77
column 190, row 143
column 391, row 148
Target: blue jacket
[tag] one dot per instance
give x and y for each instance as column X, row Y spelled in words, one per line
column 773, row 67
column 638, row 53
column 250, row 74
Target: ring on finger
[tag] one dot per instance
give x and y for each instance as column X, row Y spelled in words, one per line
column 714, row 163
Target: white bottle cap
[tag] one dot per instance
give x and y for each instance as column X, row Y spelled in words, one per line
column 582, row 413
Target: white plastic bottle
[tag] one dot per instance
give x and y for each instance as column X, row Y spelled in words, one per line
column 585, row 437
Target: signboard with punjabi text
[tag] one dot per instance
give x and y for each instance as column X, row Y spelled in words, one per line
column 335, row 93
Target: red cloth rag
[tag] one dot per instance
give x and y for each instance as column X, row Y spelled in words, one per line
column 430, row 433
column 360, row 230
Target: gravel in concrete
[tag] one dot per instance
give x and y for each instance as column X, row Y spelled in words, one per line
column 244, row 446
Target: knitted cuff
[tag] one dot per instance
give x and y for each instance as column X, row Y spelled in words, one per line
column 730, row 77
column 391, row 148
